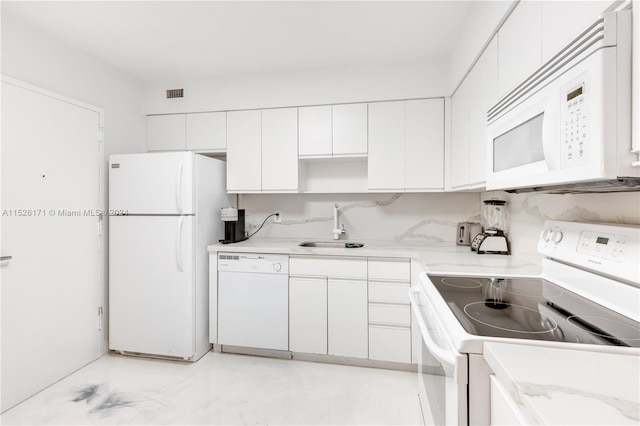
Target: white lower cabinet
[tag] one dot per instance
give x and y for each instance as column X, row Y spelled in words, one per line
column 353, row 307
column 390, row 343
column 389, row 281
column 308, row 315
column 347, row 318
column 328, row 305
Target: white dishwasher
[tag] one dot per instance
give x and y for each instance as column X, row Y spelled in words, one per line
column 253, row 300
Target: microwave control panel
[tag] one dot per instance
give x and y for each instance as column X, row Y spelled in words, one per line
column 573, row 115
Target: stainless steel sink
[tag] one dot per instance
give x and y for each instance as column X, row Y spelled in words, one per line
column 331, row 244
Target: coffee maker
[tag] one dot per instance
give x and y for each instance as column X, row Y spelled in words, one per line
column 492, row 240
column 233, row 219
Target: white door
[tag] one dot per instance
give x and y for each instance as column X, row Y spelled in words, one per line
column 52, row 285
column 151, row 285
column 153, row 183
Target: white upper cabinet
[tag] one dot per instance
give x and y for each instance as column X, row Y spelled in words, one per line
column 350, row 130
column 315, row 131
column 206, row 131
column 244, row 151
column 562, row 21
column 262, row 150
column 519, row 45
column 333, row 131
column 406, row 145
column 483, row 89
column 459, row 166
column 166, row 132
column 424, row 145
column 386, row 146
column 280, row 150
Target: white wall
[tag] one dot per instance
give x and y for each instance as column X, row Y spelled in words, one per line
column 526, row 214
column 39, row 59
column 399, row 217
column 304, row 87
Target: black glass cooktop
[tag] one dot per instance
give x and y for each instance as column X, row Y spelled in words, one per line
column 530, row 308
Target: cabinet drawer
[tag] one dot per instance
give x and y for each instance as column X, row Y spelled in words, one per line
column 390, row 343
column 389, row 269
column 329, row 266
column 385, row 292
column 389, row 314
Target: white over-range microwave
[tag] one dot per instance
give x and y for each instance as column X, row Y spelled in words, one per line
column 567, row 127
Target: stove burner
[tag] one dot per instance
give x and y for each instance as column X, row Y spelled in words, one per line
column 495, row 304
column 516, row 319
column 462, row 282
column 624, row 332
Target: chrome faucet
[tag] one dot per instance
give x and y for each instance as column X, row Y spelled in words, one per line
column 337, row 231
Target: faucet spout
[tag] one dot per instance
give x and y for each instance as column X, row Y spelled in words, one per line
column 337, row 232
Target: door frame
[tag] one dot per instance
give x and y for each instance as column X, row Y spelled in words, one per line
column 102, row 243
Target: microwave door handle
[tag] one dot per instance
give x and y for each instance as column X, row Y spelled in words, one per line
column 446, row 357
column 551, row 135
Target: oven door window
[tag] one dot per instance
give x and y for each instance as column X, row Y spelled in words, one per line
column 519, row 146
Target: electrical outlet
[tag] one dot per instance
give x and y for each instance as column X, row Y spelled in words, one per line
column 278, row 217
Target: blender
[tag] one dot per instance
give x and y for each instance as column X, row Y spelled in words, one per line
column 492, row 240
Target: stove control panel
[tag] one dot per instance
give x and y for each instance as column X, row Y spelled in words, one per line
column 605, row 248
column 602, row 245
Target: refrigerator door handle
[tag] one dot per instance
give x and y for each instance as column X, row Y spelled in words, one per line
column 179, row 187
column 179, row 260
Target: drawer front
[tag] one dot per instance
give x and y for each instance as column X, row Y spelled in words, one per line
column 382, row 292
column 389, row 269
column 329, row 266
column 390, row 343
column 389, row 314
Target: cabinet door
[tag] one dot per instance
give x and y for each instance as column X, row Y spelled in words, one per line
column 280, row 149
column 347, row 318
column 386, row 146
column 350, row 129
column 519, row 44
column 244, row 151
column 207, row 131
column 166, row 132
column 483, row 86
column 562, row 21
column 314, row 131
column 308, row 315
column 424, row 145
column 460, row 137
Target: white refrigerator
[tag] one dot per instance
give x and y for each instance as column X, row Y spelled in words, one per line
column 164, row 211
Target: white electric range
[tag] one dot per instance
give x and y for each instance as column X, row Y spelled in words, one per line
column 588, row 298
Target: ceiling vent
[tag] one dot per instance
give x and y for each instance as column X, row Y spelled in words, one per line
column 175, row 93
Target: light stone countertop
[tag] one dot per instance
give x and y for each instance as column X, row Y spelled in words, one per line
column 435, row 257
column 567, row 386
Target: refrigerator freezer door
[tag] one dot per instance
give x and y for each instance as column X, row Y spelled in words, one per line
column 152, row 183
column 151, row 285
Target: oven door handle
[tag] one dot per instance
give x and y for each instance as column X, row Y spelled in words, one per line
column 445, row 356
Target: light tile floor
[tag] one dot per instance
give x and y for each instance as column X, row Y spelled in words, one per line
column 222, row 389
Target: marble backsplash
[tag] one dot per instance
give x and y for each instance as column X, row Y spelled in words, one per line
column 526, row 214
column 405, row 217
column 431, row 216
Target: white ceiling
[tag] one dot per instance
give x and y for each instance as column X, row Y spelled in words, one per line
column 158, row 40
